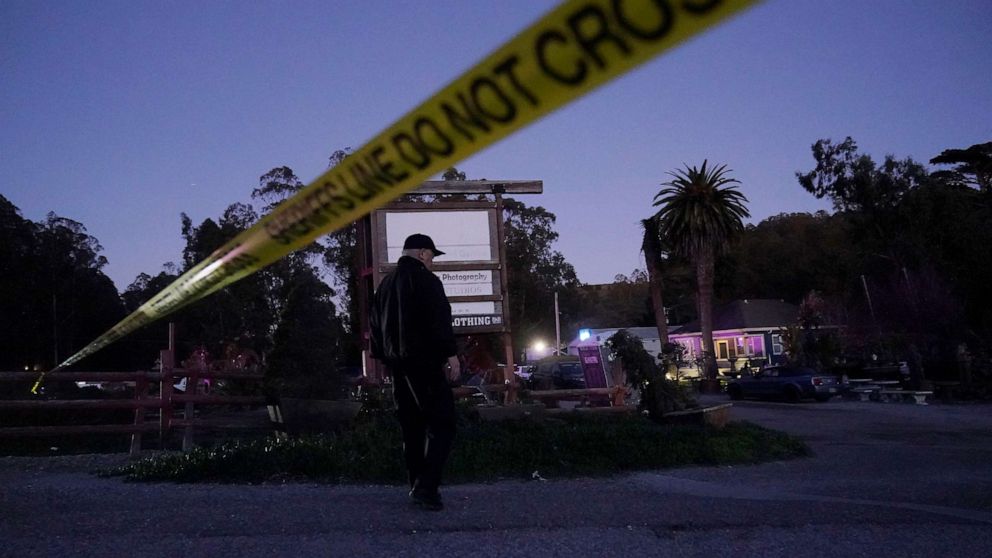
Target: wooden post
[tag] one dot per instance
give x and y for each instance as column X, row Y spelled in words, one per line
column 140, row 392
column 189, row 413
column 165, row 396
column 275, row 417
column 365, row 289
column 509, row 378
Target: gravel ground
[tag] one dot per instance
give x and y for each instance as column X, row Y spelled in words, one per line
column 886, row 480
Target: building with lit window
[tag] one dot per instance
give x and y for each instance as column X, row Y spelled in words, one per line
column 744, row 332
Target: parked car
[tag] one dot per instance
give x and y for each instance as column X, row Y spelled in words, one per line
column 557, row 373
column 791, row 383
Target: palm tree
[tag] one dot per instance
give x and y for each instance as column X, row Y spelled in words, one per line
column 651, row 246
column 700, row 212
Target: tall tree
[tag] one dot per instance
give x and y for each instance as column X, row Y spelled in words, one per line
column 852, row 180
column 916, row 237
column 244, row 311
column 338, row 250
column 276, row 186
column 307, row 346
column 145, row 343
column 947, row 229
column 84, row 301
column 54, row 296
column 21, row 320
column 626, row 302
column 652, row 247
column 340, row 255
column 536, row 272
column 701, row 211
column 868, row 194
column 787, row 255
column 974, row 166
column 453, row 174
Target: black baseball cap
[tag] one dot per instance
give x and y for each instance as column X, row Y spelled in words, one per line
column 421, row 241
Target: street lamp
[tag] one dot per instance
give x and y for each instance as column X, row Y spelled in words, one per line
column 538, row 349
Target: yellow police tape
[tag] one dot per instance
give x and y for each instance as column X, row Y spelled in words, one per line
column 571, row 50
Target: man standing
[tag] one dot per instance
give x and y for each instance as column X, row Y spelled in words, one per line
column 411, row 333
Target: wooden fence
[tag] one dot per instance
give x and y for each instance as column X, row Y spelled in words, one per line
column 167, row 409
column 163, row 403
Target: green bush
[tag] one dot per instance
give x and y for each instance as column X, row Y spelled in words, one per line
column 658, row 394
column 578, row 445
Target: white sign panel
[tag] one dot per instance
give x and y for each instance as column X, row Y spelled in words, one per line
column 466, row 283
column 463, row 236
column 466, row 308
column 476, row 321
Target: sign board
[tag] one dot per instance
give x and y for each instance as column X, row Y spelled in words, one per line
column 467, row 283
column 470, row 268
column 464, row 321
column 469, row 308
column 463, row 236
column 592, row 366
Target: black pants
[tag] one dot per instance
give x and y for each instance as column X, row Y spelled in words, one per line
column 425, row 408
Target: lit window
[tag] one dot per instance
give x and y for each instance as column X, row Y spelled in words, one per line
column 777, row 347
column 754, row 344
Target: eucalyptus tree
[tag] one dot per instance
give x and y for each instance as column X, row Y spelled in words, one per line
column 700, row 212
column 54, row 296
column 918, row 235
column 536, row 271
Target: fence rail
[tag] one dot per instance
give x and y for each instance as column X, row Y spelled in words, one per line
column 69, row 430
column 168, row 402
column 142, row 400
column 81, row 376
column 78, row 404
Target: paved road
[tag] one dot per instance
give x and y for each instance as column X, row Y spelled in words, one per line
column 886, row 480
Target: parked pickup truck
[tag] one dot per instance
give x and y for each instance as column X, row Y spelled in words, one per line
column 791, row 383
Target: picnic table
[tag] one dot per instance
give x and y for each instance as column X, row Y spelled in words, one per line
column 888, row 390
column 945, row 389
column 869, row 389
column 866, row 392
column 919, row 396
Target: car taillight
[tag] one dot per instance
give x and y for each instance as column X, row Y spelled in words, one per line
column 817, row 381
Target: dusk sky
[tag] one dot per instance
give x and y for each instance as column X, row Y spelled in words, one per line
column 122, row 115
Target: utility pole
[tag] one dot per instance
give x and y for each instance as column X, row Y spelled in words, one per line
column 871, row 309
column 557, row 327
column 55, row 330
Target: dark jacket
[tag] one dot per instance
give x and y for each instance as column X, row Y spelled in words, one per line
column 410, row 316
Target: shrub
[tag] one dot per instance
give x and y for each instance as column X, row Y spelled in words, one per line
column 574, row 445
column 658, row 394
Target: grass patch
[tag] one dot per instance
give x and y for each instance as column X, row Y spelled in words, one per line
column 561, row 447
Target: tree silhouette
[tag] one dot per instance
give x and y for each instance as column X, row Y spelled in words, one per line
column 700, row 212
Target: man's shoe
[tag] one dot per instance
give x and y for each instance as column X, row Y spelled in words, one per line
column 426, row 500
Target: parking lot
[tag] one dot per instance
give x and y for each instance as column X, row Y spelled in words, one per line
column 887, row 479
